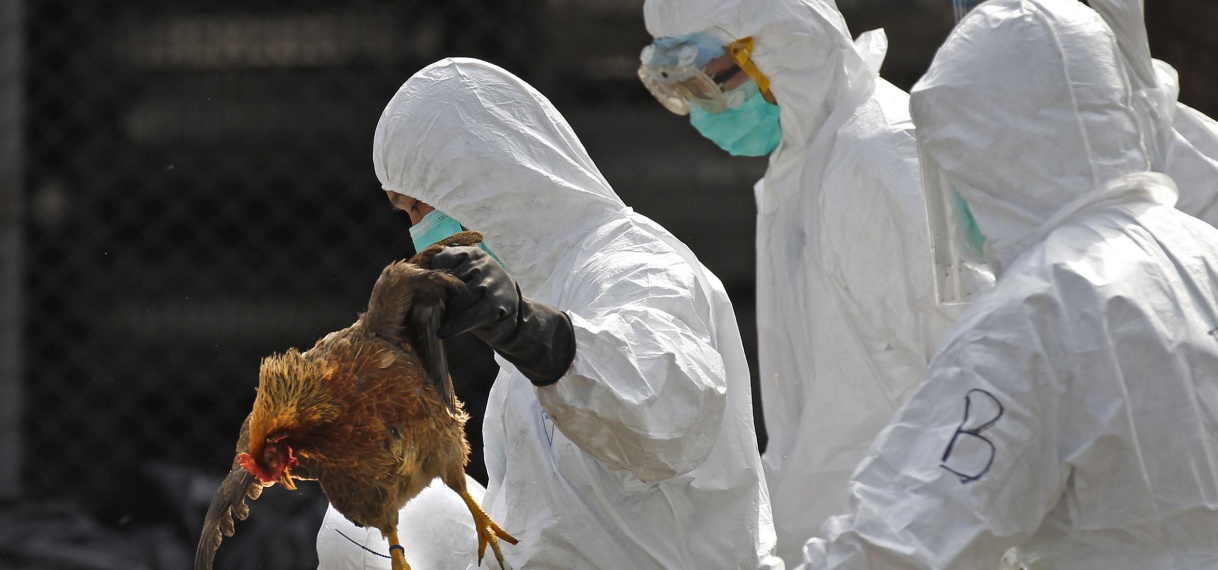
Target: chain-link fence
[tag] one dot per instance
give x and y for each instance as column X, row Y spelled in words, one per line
column 199, row 196
column 198, row 193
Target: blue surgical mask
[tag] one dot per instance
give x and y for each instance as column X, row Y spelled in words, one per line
column 748, row 129
column 435, row 226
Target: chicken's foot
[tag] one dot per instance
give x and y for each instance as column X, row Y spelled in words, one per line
column 397, row 554
column 488, row 531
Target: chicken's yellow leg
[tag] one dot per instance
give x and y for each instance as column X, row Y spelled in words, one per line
column 488, row 531
column 397, row 554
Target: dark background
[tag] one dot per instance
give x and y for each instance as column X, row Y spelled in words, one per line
column 186, row 187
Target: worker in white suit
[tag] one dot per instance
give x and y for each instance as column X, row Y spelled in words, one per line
column 1070, row 412
column 847, row 317
column 619, row 432
column 1187, row 145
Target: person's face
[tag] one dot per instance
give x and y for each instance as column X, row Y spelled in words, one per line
column 414, row 208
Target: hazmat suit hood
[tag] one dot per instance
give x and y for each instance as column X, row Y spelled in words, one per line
column 1187, row 146
column 1026, row 115
column 1154, row 84
column 484, row 147
column 817, row 74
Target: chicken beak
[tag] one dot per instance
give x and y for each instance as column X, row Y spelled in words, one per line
column 285, row 479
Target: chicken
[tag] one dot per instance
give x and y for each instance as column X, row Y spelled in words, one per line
column 368, row 412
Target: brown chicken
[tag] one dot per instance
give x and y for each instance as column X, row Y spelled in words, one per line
column 368, row 413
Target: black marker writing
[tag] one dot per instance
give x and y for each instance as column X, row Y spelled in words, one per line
column 968, row 468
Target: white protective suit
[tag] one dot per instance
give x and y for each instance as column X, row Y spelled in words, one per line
column 1187, row 147
column 1192, row 160
column 435, row 528
column 1071, row 411
column 644, row 455
column 846, row 312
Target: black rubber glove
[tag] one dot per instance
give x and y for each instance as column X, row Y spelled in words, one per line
column 535, row 337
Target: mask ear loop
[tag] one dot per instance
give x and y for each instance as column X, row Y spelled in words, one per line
column 742, row 51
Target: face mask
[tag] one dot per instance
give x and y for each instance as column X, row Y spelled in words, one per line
column 972, row 233
column 748, row 129
column 435, row 226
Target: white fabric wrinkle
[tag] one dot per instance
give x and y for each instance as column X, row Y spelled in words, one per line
column 1074, row 104
column 878, row 321
column 1190, row 163
column 1149, row 187
column 624, row 526
column 639, row 421
column 872, row 46
column 1168, row 80
column 1187, row 140
column 1152, row 100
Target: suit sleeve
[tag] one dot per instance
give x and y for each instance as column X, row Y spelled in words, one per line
column 647, row 389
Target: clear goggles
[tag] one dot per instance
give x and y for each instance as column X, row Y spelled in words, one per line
column 961, row 270
column 678, row 72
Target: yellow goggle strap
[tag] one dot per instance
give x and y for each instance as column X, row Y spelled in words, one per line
column 742, row 51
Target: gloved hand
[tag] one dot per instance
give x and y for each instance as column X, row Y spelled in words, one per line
column 537, row 338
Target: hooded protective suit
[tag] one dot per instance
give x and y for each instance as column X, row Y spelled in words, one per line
column 846, row 313
column 644, row 454
column 1187, row 146
column 1071, row 411
column 1192, row 160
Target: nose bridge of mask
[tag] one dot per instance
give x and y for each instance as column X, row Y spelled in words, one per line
column 437, row 225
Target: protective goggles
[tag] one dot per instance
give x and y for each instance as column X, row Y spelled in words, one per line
column 685, row 71
column 962, row 272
